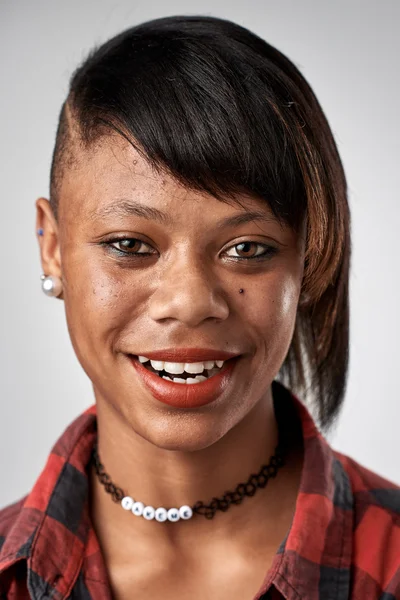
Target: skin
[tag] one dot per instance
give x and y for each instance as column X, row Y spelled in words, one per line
column 184, row 294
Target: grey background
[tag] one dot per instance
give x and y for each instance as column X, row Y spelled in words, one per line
column 349, row 52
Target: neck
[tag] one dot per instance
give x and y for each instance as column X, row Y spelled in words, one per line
column 165, row 478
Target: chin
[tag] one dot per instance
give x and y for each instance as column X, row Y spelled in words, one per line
column 183, row 433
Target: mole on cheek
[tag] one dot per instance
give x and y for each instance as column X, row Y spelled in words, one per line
column 241, row 291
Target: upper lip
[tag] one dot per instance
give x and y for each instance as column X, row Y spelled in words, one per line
column 188, row 354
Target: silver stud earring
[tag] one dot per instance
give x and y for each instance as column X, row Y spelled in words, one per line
column 51, row 285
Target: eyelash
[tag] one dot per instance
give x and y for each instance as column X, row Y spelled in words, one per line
column 269, row 251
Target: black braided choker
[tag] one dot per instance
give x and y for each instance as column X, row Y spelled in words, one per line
column 255, row 481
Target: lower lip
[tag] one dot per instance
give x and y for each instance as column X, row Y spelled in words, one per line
column 186, row 395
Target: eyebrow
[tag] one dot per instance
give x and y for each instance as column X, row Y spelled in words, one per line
column 245, row 217
column 127, row 208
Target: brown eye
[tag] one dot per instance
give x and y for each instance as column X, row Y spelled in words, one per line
column 250, row 250
column 129, row 246
column 246, row 249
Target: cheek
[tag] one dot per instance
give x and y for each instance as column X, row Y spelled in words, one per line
column 96, row 305
column 271, row 310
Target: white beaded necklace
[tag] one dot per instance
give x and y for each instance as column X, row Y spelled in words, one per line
column 159, row 514
column 185, row 512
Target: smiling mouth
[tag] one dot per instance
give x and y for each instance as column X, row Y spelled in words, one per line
column 172, row 382
column 183, row 373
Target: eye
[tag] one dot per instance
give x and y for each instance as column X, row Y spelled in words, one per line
column 250, row 250
column 131, row 247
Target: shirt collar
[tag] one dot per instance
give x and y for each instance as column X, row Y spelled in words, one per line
column 53, row 527
column 314, row 559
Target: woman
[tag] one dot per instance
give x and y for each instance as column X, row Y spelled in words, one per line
column 198, row 234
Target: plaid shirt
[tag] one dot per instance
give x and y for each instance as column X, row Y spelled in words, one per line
column 343, row 543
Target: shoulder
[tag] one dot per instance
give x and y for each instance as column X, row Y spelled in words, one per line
column 8, row 516
column 371, row 489
column 13, row 573
column 376, row 530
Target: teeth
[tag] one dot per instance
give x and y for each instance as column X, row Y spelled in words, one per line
column 158, row 365
column 167, row 378
column 197, row 379
column 189, row 380
column 176, row 368
column 170, row 367
column 194, row 367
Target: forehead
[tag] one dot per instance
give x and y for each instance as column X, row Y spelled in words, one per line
column 108, row 164
column 112, row 171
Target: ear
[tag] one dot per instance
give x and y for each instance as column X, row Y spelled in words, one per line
column 49, row 245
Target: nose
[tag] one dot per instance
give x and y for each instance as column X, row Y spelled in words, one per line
column 189, row 293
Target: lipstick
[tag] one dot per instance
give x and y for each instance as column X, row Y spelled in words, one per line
column 184, row 355
column 184, row 395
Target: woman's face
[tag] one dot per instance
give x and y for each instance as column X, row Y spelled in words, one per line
column 173, row 286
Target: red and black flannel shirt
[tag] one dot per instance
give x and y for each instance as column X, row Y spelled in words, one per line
column 343, row 543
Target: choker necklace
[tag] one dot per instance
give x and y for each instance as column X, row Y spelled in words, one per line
column 255, row 481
